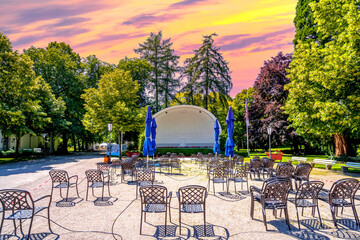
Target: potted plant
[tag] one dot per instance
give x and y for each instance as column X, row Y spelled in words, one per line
column 276, row 155
column 131, row 152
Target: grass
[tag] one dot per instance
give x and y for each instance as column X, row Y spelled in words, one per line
column 7, row 160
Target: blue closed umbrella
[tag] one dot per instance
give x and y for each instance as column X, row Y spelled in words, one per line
column 147, row 148
column 216, row 130
column 153, row 135
column 229, row 145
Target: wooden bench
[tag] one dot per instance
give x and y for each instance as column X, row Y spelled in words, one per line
column 298, row 159
column 350, row 165
column 327, row 162
column 37, row 150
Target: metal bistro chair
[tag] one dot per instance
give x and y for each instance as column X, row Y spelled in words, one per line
column 273, row 196
column 127, row 168
column 239, row 175
column 284, row 169
column 267, row 167
column 96, row 179
column 301, row 173
column 307, row 196
column 192, row 200
column 62, row 178
column 219, row 175
column 254, row 166
column 144, row 177
column 19, row 205
column 341, row 194
column 154, row 199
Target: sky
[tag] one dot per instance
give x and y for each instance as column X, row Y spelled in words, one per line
column 249, row 31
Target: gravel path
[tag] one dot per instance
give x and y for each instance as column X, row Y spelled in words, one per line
column 119, row 217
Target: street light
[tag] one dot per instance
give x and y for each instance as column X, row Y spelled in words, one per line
column 269, row 133
column 109, row 128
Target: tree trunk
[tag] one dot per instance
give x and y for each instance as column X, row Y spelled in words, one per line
column 17, row 145
column 74, row 142
column 342, row 146
column 51, row 142
column 79, row 145
column 65, row 143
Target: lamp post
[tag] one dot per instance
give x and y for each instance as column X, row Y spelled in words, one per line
column 269, row 133
column 109, row 128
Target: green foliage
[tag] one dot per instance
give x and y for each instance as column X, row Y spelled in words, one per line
column 238, row 106
column 27, row 104
column 113, row 101
column 161, row 56
column 94, row 69
column 324, row 94
column 140, row 70
column 207, row 71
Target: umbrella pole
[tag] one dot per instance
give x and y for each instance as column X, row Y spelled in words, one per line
column 147, row 161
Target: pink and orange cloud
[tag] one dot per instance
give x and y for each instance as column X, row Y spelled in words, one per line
column 250, row 32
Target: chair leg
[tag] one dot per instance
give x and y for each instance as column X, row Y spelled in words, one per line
column 87, row 190
column 31, row 221
column 180, row 219
column 67, row 193
column 297, row 215
column 333, row 216
column 49, row 219
column 141, row 217
column 264, row 217
column 165, row 221
column 355, row 215
column 214, row 187
column 287, row 218
column 204, row 222
column 252, row 208
column 317, row 206
column 77, row 190
column 109, row 189
column 61, row 192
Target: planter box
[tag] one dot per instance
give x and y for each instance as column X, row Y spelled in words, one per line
column 275, row 156
column 129, row 154
column 106, row 159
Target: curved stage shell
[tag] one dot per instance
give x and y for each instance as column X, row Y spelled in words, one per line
column 185, row 126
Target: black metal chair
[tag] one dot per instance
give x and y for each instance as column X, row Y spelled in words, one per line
column 273, row 196
column 96, row 179
column 267, row 167
column 341, row 194
column 192, row 200
column 154, row 199
column 144, row 177
column 307, row 196
column 239, row 175
column 254, row 166
column 19, row 205
column 60, row 179
column 301, row 173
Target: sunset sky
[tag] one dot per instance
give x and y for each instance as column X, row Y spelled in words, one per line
column 249, row 32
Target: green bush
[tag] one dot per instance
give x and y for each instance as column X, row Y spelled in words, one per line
column 8, row 152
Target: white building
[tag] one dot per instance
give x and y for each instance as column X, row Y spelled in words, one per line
column 185, row 126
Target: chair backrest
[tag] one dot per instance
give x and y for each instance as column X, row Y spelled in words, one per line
column 220, row 172
column 146, row 174
column 284, row 169
column 268, row 163
column 255, row 163
column 94, row 175
column 127, row 166
column 277, row 190
column 309, row 190
column 103, row 166
column 240, row 172
column 303, row 169
column 59, row 176
column 153, row 194
column 221, row 156
column 255, row 158
column 192, row 194
column 14, row 199
column 229, row 164
column 344, row 189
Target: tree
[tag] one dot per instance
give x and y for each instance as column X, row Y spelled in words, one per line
column 113, row 101
column 324, row 93
column 94, row 69
column 140, row 70
column 159, row 54
column 304, row 22
column 208, row 71
column 239, row 113
column 63, row 70
column 27, row 104
column 269, row 98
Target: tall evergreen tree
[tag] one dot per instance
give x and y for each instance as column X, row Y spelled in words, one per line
column 209, row 71
column 160, row 55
